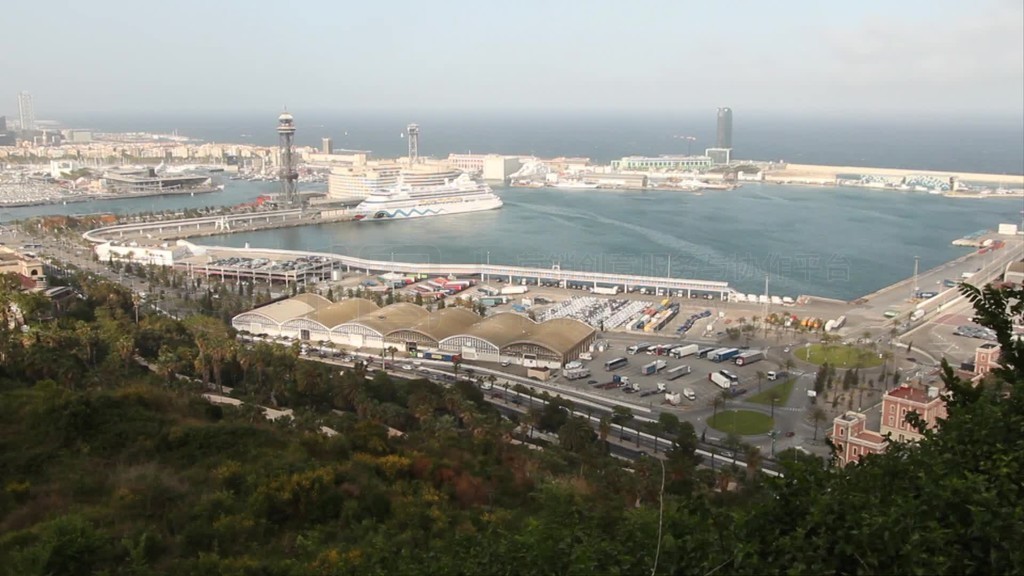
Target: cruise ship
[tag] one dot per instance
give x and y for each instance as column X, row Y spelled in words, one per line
column 420, row 194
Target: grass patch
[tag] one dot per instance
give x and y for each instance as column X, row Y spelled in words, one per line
column 840, row 356
column 742, row 422
column 780, row 391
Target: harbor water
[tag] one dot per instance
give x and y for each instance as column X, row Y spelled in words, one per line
column 830, row 242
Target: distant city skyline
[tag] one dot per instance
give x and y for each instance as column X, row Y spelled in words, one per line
column 805, row 57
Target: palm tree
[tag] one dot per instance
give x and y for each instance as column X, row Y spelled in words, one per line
column 505, row 396
column 575, row 435
column 718, row 401
column 456, row 362
column 604, row 427
column 391, row 350
column 817, row 415
column 754, row 459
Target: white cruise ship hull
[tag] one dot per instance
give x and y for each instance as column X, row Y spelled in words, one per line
column 412, row 209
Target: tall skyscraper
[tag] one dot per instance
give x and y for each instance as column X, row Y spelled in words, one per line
column 326, row 145
column 724, row 139
column 26, row 112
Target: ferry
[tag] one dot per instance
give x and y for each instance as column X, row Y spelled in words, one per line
column 427, row 195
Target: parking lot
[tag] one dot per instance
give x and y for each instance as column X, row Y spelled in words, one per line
column 697, row 379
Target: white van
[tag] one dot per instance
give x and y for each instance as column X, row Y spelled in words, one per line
column 689, row 394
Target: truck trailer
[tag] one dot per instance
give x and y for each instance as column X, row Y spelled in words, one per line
column 723, row 382
column 576, row 373
column 723, row 354
column 749, row 357
column 653, row 367
column 684, row 351
column 677, row 372
column 605, row 290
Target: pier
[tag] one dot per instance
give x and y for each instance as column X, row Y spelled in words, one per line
column 149, row 232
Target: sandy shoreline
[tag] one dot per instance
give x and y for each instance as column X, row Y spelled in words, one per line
column 810, row 171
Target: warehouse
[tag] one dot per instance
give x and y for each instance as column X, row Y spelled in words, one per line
column 270, row 318
column 318, row 324
column 369, row 330
column 485, row 339
column 359, row 323
column 430, row 331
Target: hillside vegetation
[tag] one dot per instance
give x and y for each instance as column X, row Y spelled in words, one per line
column 108, row 467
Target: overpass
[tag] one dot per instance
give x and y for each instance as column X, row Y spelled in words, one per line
column 512, row 274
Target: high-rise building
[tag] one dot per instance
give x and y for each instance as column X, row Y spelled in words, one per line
column 326, row 145
column 26, row 111
column 6, row 138
column 724, row 139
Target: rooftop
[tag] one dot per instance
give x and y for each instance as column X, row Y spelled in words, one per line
column 340, row 312
column 392, row 317
column 299, row 305
column 446, row 322
column 910, row 393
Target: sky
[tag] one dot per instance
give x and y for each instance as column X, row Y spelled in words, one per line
column 811, row 57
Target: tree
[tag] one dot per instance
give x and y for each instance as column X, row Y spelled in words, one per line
column 718, row 401
column 760, row 379
column 576, row 435
column 604, row 427
column 669, row 422
column 816, row 414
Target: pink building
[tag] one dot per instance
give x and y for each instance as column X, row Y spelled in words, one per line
column 852, row 440
column 897, row 403
column 986, row 357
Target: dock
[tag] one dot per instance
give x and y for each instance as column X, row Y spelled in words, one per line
column 153, row 233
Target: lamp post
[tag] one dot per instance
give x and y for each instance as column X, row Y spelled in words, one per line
column 773, row 407
column 773, row 435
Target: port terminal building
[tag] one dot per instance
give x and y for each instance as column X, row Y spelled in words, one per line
column 146, row 179
column 360, row 324
column 663, row 163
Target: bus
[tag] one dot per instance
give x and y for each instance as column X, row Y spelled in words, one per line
column 615, row 364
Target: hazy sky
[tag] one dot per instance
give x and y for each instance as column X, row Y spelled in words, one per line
column 814, row 56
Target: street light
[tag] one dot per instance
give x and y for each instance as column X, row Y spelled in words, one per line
column 773, row 407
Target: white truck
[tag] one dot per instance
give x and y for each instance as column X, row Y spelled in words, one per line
column 511, row 290
column 684, row 351
column 673, row 398
column 605, row 290
column 917, row 315
column 689, row 394
column 723, row 382
column 576, row 373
